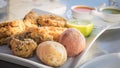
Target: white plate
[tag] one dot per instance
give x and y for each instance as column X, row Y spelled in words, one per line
column 105, row 61
column 109, row 41
column 33, row 62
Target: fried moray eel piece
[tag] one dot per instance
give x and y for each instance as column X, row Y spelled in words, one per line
column 10, row 28
column 30, row 19
column 23, row 48
column 42, row 34
column 5, row 40
column 51, row 20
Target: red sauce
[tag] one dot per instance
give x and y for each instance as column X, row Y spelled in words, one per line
column 83, row 9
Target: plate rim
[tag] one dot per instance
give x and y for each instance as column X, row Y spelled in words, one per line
column 21, row 61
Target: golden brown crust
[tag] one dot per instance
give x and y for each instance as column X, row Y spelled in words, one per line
column 11, row 28
column 4, row 41
column 42, row 34
column 23, row 48
column 30, row 19
column 51, row 20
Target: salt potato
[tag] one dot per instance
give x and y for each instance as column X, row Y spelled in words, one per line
column 52, row 53
column 73, row 41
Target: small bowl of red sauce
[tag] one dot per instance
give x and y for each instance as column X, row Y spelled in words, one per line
column 82, row 12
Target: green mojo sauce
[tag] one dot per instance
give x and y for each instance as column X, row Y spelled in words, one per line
column 111, row 11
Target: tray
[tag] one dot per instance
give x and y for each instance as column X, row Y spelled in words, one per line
column 74, row 62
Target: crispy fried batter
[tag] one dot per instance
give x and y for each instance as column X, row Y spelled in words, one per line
column 33, row 20
column 10, row 28
column 19, row 34
column 51, row 20
column 42, row 33
column 45, row 33
column 23, row 48
column 30, row 19
column 5, row 40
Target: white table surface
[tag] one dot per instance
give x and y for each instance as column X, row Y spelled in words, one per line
column 18, row 8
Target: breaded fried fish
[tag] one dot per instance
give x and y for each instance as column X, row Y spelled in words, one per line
column 45, row 33
column 30, row 19
column 23, row 48
column 41, row 34
column 10, row 28
column 51, row 20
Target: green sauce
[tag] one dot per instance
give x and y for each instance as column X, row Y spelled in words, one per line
column 111, row 11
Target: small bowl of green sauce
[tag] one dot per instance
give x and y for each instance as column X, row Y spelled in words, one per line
column 109, row 14
column 111, row 11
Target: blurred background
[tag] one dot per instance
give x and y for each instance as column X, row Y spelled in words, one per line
column 16, row 9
